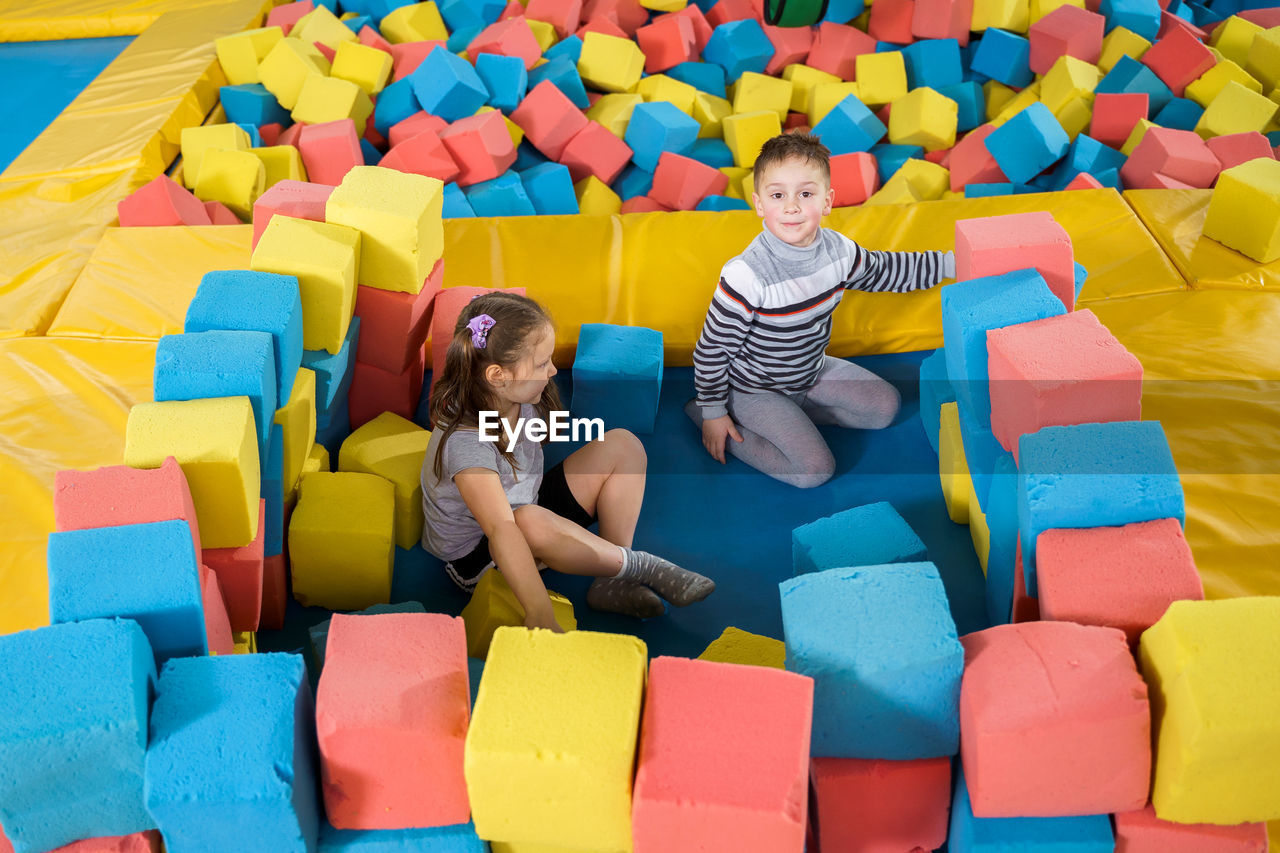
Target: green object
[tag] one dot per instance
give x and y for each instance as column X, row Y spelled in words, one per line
column 794, row 13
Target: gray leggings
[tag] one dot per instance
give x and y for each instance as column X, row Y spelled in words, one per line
column 779, row 436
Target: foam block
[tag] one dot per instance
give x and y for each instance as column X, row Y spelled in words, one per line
column 680, row 183
column 75, row 732
column 742, row 647
column 1114, row 116
column 275, row 593
column 397, row 324
column 296, row 418
column 574, row 739
column 298, row 199
column 953, row 468
column 481, row 147
column 493, row 605
column 595, row 150
column 1003, row 56
column 1142, row 832
column 923, row 117
column 611, row 64
column 511, row 37
column 970, row 834
column 448, row 86
column 618, row 375
column 1243, row 211
column 392, row 448
column 745, row 133
column 367, row 67
column 374, row 391
column 1236, row 109
column 323, row 99
column 217, row 625
column 549, row 119
column 854, row 177
column 341, row 541
column 867, row 535
column 505, row 77
column 864, row 805
column 413, row 22
column 329, row 150
column 1028, row 143
column 698, row 789
column 892, row 22
column 240, row 53
column 117, row 495
column 1177, row 154
column 1177, row 59
column 1236, row 148
column 595, row 198
column 460, row 838
column 1066, row 31
column 739, row 46
column 994, row 245
column 971, row 163
column 239, row 577
column 658, row 127
column 942, row 19
column 935, row 389
column 902, row 695
column 287, row 66
column 161, row 201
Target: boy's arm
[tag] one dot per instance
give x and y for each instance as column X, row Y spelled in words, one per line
column 898, row 272
column 729, row 321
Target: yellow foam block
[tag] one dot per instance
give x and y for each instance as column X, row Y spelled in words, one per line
column 1208, row 85
column 1233, row 38
column 321, row 25
column 609, row 63
column 367, row 67
column 414, row 22
column 1067, row 79
column 493, row 604
column 979, row 531
column 1039, row 8
column 288, row 66
column 737, row 646
column 924, row 117
column 235, row 178
column 196, row 140
column 595, row 198
column 317, row 460
column 1235, row 110
column 323, row 99
column 239, row 54
column 996, row 94
column 1135, row 136
column 525, row 847
column 664, row 5
column 927, row 180
column 556, row 714
column 823, row 98
column 297, row 421
column 393, row 448
column 745, row 133
column 216, row 443
column 1121, row 42
column 802, row 79
column 246, row 642
column 1263, row 59
column 882, row 77
column 1213, row 673
column 543, row 32
column 953, row 468
column 1244, row 210
column 894, row 191
column 756, row 92
column 281, row 163
column 1074, row 116
column 398, row 218
column 614, row 111
column 1017, row 104
column 325, row 258
column 709, row 112
column 1012, row 15
column 735, row 175
column 660, row 87
column 341, row 547
column 748, row 184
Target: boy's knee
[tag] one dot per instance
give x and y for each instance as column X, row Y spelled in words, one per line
column 884, row 407
column 814, row 473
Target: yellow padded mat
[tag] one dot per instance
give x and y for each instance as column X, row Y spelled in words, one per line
column 46, row 20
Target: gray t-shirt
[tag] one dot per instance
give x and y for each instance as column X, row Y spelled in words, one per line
column 450, row 530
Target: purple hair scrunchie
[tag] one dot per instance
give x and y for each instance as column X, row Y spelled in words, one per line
column 480, row 326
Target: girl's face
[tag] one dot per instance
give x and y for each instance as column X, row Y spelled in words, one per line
column 527, row 378
column 792, row 198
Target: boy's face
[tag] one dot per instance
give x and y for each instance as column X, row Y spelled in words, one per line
column 792, row 197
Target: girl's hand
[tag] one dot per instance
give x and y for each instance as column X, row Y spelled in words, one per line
column 714, row 433
column 543, row 619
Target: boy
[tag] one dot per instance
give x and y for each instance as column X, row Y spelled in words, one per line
column 760, row 367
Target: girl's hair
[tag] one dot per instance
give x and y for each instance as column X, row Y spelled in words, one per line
column 461, row 391
column 793, row 145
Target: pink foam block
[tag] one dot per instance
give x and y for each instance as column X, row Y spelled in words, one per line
column 220, row 214
column 696, row 788
column 481, row 146
column 1066, row 31
column 869, row 806
column 392, row 709
column 270, row 133
column 727, row 11
column 217, row 625
column 1084, row 181
column 423, row 154
column 993, row 245
column 836, row 48
column 1115, row 114
column 138, row 842
column 298, row 199
column 1178, row 59
column 1170, row 22
column 681, row 182
column 161, row 201
column 795, row 121
column 371, row 134
column 627, row 15
column 940, row 156
column 891, row 22
column 549, row 119
column 667, row 42
column 449, row 303
column 972, row 163
column 117, row 495
column 407, row 56
column 701, row 27
column 1142, row 832
column 1236, row 148
column 275, row 589
column 942, row 19
column 286, row 16
column 374, row 391
column 1122, row 577
column 291, row 134
column 415, row 124
column 514, row 9
column 791, row 45
column 1059, row 371
column 239, row 572
column 1265, row 18
column 369, row 37
column 1026, row 608
column 393, row 325
column 564, row 15
column 595, row 150
column 1178, row 154
column 1054, row 721
column 603, row 25
column 641, row 204
column 854, row 177
column 329, row 150
column 511, row 37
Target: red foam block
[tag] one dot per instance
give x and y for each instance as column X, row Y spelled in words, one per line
column 972, row 163
column 511, row 37
column 854, row 177
column 162, row 201
column 641, row 204
column 217, row 626
column 701, row 27
column 1115, row 114
column 667, row 42
column 595, row 150
column 726, row 11
column 1178, row 59
column 275, row 588
column 1236, row 148
column 117, row 495
column 138, row 842
column 481, row 146
column 1084, row 181
column 627, row 15
column 564, row 15
column 394, row 325
column 836, row 48
column 680, row 182
column 603, row 25
column 942, row 19
column 1142, row 832
column 369, row 37
column 1066, row 31
column 220, row 214
column 891, row 21
column 994, row 245
column 1180, row 155
column 1026, row 608
column 239, row 573
column 286, row 16
column 549, row 119
column 407, row 56
column 422, row 154
column 329, row 150
column 298, row 199
column 791, row 45
column 374, row 391
column 415, row 124
column 867, row 805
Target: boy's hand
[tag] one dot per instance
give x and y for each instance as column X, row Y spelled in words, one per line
column 713, row 435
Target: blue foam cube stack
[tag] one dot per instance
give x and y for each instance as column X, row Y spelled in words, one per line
column 656, row 127
column 505, row 78
column 550, row 189
column 881, row 646
column 1005, row 57
column 1027, row 144
column 251, row 103
column 231, row 764
column 869, row 535
column 850, row 127
column 73, row 736
column 617, row 375
column 447, row 86
column 460, row 838
column 970, row 834
column 501, row 196
column 739, row 46
column 935, row 389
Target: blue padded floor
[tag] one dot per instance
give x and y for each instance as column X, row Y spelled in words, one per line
column 734, row 524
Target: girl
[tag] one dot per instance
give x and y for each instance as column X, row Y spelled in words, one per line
column 487, row 506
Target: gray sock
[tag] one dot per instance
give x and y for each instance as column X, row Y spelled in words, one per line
column 627, row 597
column 678, row 586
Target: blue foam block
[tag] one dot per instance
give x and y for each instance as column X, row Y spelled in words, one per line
column 850, row 127
column 395, row 104
column 970, row 309
column 739, row 46
column 460, row 838
column 632, row 182
column 251, row 103
column 550, row 189
column 253, row 302
column 372, row 156
column 271, row 490
column 705, row 76
column 1080, row 277
column 987, row 190
column 563, row 73
column 869, row 535
column 331, row 5
column 1086, row 154
column 1093, row 475
column 970, row 102
column 935, row 389
column 334, row 370
column 570, row 48
column 358, row 23
column 890, row 157
column 617, row 375
column 1130, row 75
column 881, row 647
column 505, row 78
column 145, row 572
column 1110, row 178
column 843, row 11
column 200, row 365
column 73, row 737
column 459, row 39
column 1273, row 137
column 1004, row 56
column 1002, row 522
column 933, row 62
column 501, row 196
column 334, row 430
column 230, row 765
column 526, row 157
column 1138, row 16
column 447, row 86
column 463, row 15
column 455, row 204
column 1027, row 144
column 379, row 9
column 981, row 450
column 714, row 152
column 656, row 127
column 1179, row 114
column 969, row 834
column 722, row 202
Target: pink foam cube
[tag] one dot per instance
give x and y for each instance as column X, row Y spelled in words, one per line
column 891, row 21
column 1236, row 148
column 217, row 625
column 239, row 572
column 701, row 27
column 667, row 42
column 1066, row 31
column 1115, row 114
column 161, row 201
column 872, row 806
column 604, row 25
column 992, row 245
column 372, row 136
column 329, row 150
column 511, row 37
column 374, row 391
column 1142, row 832
column 369, row 37
column 481, row 146
column 393, row 325
column 291, row 134
column 972, row 163
column 627, row 15
column 942, row 19
column 1170, row 22
column 415, row 124
column 270, row 133
column 138, row 842
column 407, row 56
column 1178, row 59
column 791, row 45
column 549, row 119
column 696, row 788
column 641, row 204
column 1084, row 181
column 514, row 9
column 423, row 154
column 854, row 177
column 795, row 121
column 836, row 48
column 1178, row 154
column 220, row 214
column 449, row 303
column 595, row 150
column 1026, row 608
column 727, row 11
column 286, row 16
column 680, row 182
column 1265, row 18
column 1054, row 721
column 564, row 15
column 117, row 495
column 298, row 199
column 275, row 590
column 392, row 709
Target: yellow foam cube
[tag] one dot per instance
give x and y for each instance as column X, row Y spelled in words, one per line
column 745, row 133
column 1121, row 42
column 802, row 79
column 1017, row 104
column 924, row 117
column 1244, row 210
column 743, row 647
column 709, row 111
column 660, row 87
column 367, row 67
column 882, row 77
column 393, row 448
column 246, row 642
column 321, row 25
column 317, row 460
column 297, row 421
column 953, row 467
column 735, row 175
column 240, row 53
column 1039, row 8
column 979, row 531
column 196, row 140
column 215, row 441
column 1012, row 15
column 1209, row 85
column 493, row 604
column 543, row 32
column 595, row 198
column 414, row 22
column 1233, row 37
column 398, row 216
column 664, row 5
column 1074, row 116
column 1213, row 674
column 1068, row 79
column 1263, row 59
column 996, row 95
column 928, row 180
column 556, row 714
column 614, row 111
column 1235, row 110
column 235, row 178
column 288, row 66
column 280, row 163
column 323, row 99
column 325, row 258
column 756, row 92
column 1135, row 136
column 609, row 63
column 525, row 847
column 341, row 547
column 749, row 185
column 823, row 98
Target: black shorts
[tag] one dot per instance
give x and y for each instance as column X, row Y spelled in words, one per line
column 554, row 495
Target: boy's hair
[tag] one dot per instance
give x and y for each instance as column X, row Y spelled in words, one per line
column 793, row 146
column 461, row 391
